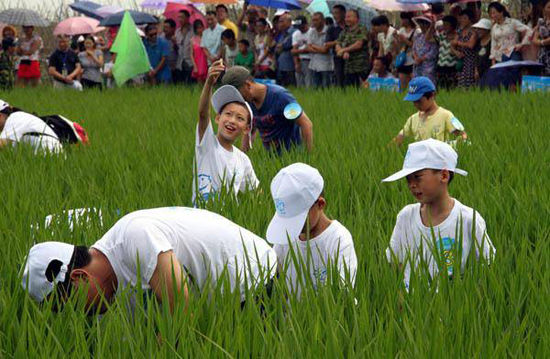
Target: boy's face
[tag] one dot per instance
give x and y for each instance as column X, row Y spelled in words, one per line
column 233, row 121
column 242, row 48
column 424, row 103
column 226, row 41
column 427, row 185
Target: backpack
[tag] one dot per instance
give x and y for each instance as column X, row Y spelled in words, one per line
column 68, row 132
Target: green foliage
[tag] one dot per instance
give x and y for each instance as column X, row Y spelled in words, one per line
column 141, row 155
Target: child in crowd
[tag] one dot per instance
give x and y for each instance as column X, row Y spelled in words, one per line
column 229, row 49
column 437, row 223
column 219, row 164
column 303, row 234
column 431, row 120
column 245, row 57
column 200, row 65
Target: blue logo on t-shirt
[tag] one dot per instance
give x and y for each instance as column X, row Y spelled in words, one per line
column 205, row 181
column 446, row 246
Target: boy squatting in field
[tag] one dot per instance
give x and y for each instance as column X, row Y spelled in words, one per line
column 429, row 167
column 278, row 118
column 18, row 126
column 219, row 163
column 431, row 120
column 179, row 250
column 303, row 235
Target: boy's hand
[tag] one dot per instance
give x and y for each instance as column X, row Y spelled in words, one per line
column 215, row 71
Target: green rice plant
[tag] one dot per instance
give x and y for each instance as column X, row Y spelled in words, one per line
column 141, row 156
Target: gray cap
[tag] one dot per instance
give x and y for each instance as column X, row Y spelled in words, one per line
column 236, row 76
column 228, row 94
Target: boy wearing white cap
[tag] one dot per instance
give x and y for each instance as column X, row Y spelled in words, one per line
column 437, row 223
column 431, row 120
column 302, row 234
column 167, row 250
column 219, row 164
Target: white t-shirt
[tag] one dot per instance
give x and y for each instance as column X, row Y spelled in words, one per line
column 411, row 238
column 387, row 41
column 300, row 39
column 218, row 167
column 21, row 123
column 333, row 247
column 204, row 242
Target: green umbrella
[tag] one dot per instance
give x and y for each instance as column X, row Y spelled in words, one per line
column 319, row 6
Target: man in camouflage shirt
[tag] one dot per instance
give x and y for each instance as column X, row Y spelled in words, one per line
column 7, row 64
column 352, row 46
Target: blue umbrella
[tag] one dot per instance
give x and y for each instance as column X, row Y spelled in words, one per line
column 278, row 4
column 87, row 8
column 140, row 18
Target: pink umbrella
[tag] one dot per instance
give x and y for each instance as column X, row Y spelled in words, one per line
column 393, row 5
column 172, row 12
column 77, row 26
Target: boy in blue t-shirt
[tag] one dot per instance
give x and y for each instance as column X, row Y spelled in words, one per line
column 277, row 116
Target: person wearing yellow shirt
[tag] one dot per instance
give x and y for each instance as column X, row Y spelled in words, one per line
column 431, row 120
column 223, row 19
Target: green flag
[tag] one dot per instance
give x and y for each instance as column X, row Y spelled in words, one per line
column 131, row 57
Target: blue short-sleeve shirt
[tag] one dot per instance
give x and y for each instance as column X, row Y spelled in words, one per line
column 275, row 129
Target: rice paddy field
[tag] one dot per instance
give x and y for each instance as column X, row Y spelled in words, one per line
column 141, row 156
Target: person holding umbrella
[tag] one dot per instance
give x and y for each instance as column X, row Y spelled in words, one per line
column 28, row 49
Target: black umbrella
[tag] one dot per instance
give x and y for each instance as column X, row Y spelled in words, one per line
column 87, row 8
column 140, row 18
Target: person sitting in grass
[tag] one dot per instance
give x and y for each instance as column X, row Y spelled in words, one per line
column 277, row 115
column 303, row 234
column 431, row 120
column 17, row 126
column 245, row 58
column 170, row 251
column 438, row 223
column 218, row 162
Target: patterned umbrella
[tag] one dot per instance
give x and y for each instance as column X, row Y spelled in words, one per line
column 366, row 12
column 394, row 5
column 23, row 17
column 319, row 6
column 160, row 4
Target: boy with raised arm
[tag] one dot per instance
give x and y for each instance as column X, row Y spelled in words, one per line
column 219, row 164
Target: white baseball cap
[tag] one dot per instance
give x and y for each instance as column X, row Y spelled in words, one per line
column 294, row 190
column 228, row 94
column 428, row 154
column 483, row 24
column 39, row 259
column 3, row 105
